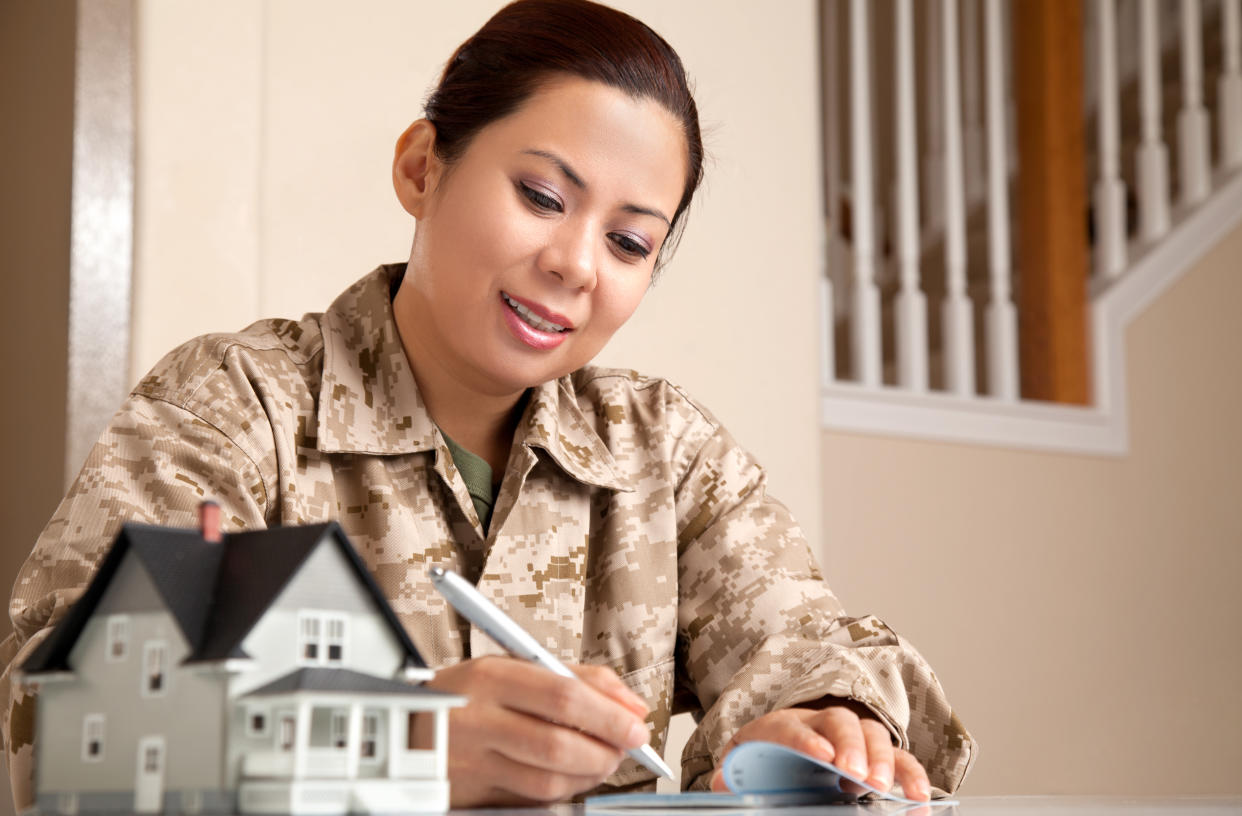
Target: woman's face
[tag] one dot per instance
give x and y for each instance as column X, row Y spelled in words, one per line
column 539, row 242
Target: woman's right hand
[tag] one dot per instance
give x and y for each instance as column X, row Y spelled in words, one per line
column 528, row 736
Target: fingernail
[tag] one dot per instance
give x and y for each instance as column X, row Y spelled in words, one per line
column 854, row 765
column 922, row 790
column 637, row 735
column 883, row 776
column 826, row 748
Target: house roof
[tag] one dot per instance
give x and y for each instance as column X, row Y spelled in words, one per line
column 216, row 591
column 313, row 678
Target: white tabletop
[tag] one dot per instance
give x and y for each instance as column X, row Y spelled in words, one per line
column 968, row 806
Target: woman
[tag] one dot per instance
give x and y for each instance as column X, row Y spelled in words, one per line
column 444, row 411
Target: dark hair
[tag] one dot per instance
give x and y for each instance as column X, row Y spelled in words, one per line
column 530, row 41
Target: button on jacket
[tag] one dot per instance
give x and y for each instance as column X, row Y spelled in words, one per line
column 630, row 529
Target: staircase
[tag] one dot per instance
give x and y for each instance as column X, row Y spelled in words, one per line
column 953, row 250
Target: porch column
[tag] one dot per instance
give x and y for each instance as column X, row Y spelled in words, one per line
column 396, row 740
column 353, row 741
column 301, row 739
column 440, row 745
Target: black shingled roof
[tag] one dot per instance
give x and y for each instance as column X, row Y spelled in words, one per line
column 215, row 591
column 343, row 680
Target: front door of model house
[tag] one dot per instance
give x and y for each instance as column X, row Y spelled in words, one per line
column 149, row 781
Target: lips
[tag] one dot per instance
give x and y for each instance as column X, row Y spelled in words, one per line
column 533, row 325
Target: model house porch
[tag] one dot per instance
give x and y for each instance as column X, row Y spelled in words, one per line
column 336, row 741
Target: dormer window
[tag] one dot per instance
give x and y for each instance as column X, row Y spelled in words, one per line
column 336, row 640
column 322, row 638
column 308, row 629
column 118, row 637
column 154, row 669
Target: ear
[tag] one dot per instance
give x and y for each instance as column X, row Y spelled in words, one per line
column 415, row 167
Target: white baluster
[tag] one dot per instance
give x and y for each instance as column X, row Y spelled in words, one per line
column 911, row 303
column 959, row 330
column 865, row 318
column 832, row 148
column 1127, row 42
column 1153, row 156
column 1229, row 87
column 1192, row 119
column 1011, row 106
column 1110, row 190
column 1002, row 317
column 972, row 132
column 827, row 333
column 933, row 158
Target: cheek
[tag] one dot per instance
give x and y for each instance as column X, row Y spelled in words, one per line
column 485, row 230
column 620, row 300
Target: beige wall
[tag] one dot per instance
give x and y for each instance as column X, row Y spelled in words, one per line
column 1083, row 613
column 266, row 132
column 1078, row 609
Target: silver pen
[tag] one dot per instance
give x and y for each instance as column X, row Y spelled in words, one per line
column 514, row 639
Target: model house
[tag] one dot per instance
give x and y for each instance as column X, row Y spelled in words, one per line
column 259, row 672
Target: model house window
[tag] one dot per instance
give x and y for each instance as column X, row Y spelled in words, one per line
column 308, row 630
column 256, row 722
column 155, row 669
column 151, row 759
column 340, row 728
column 321, row 638
column 370, row 736
column 93, row 738
column 336, row 639
column 118, row 637
column 286, row 732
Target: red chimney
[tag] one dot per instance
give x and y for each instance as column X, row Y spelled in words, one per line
column 209, row 521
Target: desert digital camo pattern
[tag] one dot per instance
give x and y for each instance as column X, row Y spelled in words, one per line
column 630, row 530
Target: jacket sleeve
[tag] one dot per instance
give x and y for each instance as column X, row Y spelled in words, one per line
column 759, row 629
column 153, row 464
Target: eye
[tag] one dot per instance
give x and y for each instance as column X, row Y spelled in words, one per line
column 628, row 246
column 539, row 199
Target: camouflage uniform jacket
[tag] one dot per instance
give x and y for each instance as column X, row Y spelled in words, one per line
column 629, row 530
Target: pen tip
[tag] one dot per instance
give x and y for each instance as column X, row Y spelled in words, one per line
column 436, row 572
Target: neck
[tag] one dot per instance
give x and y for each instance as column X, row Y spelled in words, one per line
column 481, row 421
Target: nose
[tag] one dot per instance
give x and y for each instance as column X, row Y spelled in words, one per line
column 570, row 255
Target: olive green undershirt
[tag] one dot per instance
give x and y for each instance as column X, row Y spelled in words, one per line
column 477, row 474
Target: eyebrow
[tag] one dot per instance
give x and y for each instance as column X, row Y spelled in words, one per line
column 577, row 181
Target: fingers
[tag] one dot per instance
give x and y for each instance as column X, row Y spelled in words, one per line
column 609, row 715
column 912, row 776
column 879, row 754
column 607, row 682
column 528, row 735
column 843, row 729
column 859, row 745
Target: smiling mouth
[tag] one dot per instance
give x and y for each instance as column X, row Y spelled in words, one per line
column 531, row 319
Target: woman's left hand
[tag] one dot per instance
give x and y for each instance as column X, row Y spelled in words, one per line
column 859, row 745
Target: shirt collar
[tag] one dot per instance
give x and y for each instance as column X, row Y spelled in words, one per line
column 555, row 423
column 369, row 402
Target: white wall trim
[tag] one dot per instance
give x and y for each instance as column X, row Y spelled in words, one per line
column 102, row 226
column 1101, row 429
